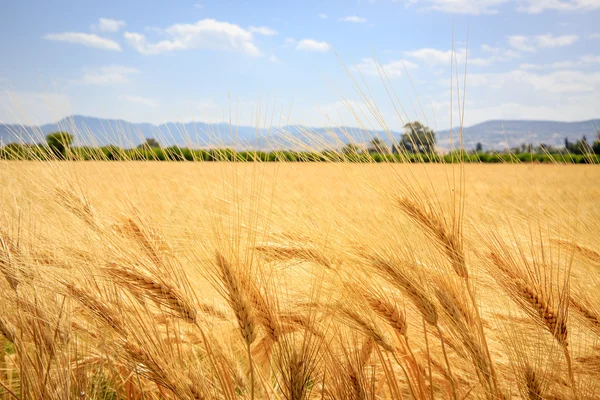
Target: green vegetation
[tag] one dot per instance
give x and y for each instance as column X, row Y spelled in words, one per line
column 15, row 151
column 416, row 139
column 59, row 143
column 417, row 144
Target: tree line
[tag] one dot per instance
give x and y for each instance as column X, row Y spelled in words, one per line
column 417, row 144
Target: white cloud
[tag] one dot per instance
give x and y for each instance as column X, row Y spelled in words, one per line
column 557, row 82
column 313, row 45
column 108, row 25
column 533, row 43
column 198, row 5
column 584, row 61
column 521, row 43
column 144, row 101
column 354, row 18
column 498, row 51
column 477, row 7
column 527, row 66
column 538, row 6
column 550, row 41
column 594, row 36
column 576, row 108
column 85, row 39
column 263, row 30
column 474, row 7
column 495, row 55
column 489, row 49
column 273, row 59
column 482, row 62
column 322, row 15
column 204, row 34
column 392, row 69
column 107, row 75
column 433, row 56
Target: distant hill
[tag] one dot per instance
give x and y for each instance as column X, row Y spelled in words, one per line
column 99, row 131
column 499, row 134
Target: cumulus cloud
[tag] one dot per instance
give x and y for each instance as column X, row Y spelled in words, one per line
column 575, row 108
column 474, row 7
column 313, row 45
column 107, row 75
column 494, row 55
column 538, row 6
column 204, row 34
column 353, row 18
column 477, row 7
column 392, row 69
column 85, row 39
column 322, row 15
column 263, row 30
column 108, row 25
column 557, row 82
column 144, row 101
column 584, row 61
column 433, row 56
column 273, row 59
column 532, row 43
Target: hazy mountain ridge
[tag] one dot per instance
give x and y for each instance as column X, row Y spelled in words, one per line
column 496, row 134
column 499, row 134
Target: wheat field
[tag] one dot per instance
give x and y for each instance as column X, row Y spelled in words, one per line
column 142, row 280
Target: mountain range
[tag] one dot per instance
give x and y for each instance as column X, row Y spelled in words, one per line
column 496, row 134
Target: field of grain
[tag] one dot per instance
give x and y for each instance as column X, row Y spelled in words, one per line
column 141, row 280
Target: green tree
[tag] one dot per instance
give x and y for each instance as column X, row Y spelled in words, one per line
column 569, row 145
column 417, row 138
column 379, row 146
column 351, row 148
column 581, row 146
column 113, row 152
column 478, row 147
column 59, row 143
column 596, row 144
column 150, row 143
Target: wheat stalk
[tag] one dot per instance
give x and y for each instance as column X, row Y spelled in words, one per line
column 8, row 330
column 159, row 291
column 436, row 228
column 409, row 287
column 366, row 327
column 7, row 263
column 95, row 305
column 389, row 312
column 241, row 308
column 534, row 301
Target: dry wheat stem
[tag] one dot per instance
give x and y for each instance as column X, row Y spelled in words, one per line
column 160, row 291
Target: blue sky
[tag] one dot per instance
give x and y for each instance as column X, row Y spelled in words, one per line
column 158, row 60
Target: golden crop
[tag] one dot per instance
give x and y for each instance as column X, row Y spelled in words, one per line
column 142, row 280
